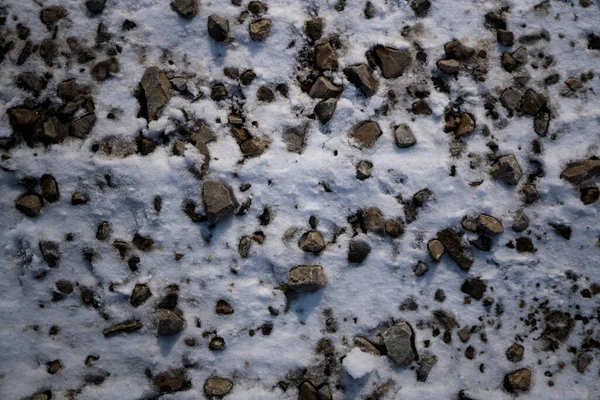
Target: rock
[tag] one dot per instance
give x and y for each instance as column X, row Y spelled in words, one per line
column 366, row 134
column 244, row 246
column 325, row 57
column 141, row 292
column 511, row 99
column 583, row 361
column 363, row 170
column 507, row 168
column 580, row 171
column 399, row 343
column 295, row 139
column 314, row 28
column 541, row 121
column 394, row 228
column 53, row 367
column 95, row 6
column 156, row 91
column 265, row 94
column 524, row 245
column 489, row 225
column 361, row 76
column 255, row 147
column 51, row 15
column 404, row 136
column 216, row 344
column 49, row 188
column 421, row 269
column 474, row 287
column 373, row 221
column 257, row 7
column 520, row 221
column 593, row 41
column 247, row 77
column 453, row 244
column 201, row 132
column 223, row 308
column 495, row 20
column 307, row 278
column 312, row 242
column 518, row 381
column 128, row 326
column 218, row 93
column 323, row 88
column 392, row 62
column 104, row 69
column 172, row 381
column 54, row 130
column 30, row 204
column 65, row 287
column 31, row 82
column 259, row 30
column 515, row 353
column 307, row 391
column 561, row 229
column 448, row 66
column 22, row 119
column 216, row 386
column 466, row 125
column 532, row 102
column 143, row 243
column 508, row 62
column 50, row 252
column 325, row 110
column 218, row 28
column 420, row 7
column 464, row 334
column 436, row 249
column 358, row 251
column 574, row 83
column 81, row 127
column 426, row 363
column 589, row 194
column 169, row 323
column 458, row 51
column 185, row 8
column 219, row 201
column 505, row 38
column 365, row 346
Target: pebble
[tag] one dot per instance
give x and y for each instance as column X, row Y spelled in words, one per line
column 307, row 278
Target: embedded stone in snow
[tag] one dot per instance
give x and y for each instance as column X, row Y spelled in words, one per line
column 325, row 57
column 580, row 171
column 361, row 76
column 466, row 125
column 201, row 132
column 511, row 99
column 505, row 38
column 51, row 15
column 169, row 323
column 217, row 386
column 259, row 30
column 421, row 269
column 307, row 278
column 404, row 136
column 455, row 49
column 122, row 327
column 314, row 28
column 219, row 201
column 323, row 88
column 589, row 194
column 489, row 225
column 399, row 343
column 185, row 8
column 30, row 204
column 312, row 242
column 426, row 363
column 366, row 134
column 363, row 170
column 436, row 249
column 373, row 221
column 541, row 121
column 448, row 66
column 295, row 139
column 141, row 292
column 518, row 381
column 520, row 221
column 49, row 188
column 325, row 110
column 50, row 252
column 532, row 102
column 358, row 251
column 218, row 28
column 95, row 6
column 392, row 62
column 255, row 147
column 394, row 227
column 515, row 353
column 474, row 287
column 365, row 346
column 507, row 168
column 156, row 91
column 172, row 381
column 104, row 69
column 453, row 244
column 81, row 127
column 223, row 308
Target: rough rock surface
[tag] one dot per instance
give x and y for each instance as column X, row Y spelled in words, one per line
column 399, row 343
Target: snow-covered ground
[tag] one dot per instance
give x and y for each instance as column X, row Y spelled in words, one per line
column 218, row 258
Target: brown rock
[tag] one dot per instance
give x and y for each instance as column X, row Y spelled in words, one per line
column 312, row 242
column 223, row 308
column 172, row 381
column 30, row 204
column 255, row 147
column 314, row 28
column 169, row 323
column 507, row 168
column 489, row 225
column 449, row 66
column 474, row 287
column 216, row 386
column 259, row 30
column 104, row 69
column 323, row 88
column 518, row 381
column 307, row 278
column 156, row 91
column 325, row 110
column 580, row 171
column 394, row 228
column 366, row 134
column 436, row 249
column 218, row 28
column 141, row 292
column 185, row 8
column 51, row 15
column 453, row 244
column 219, row 201
column 122, row 327
column 392, row 62
column 373, row 221
column 361, row 76
column 325, row 57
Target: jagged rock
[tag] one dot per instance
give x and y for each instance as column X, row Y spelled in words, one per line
column 511, row 99
column 169, row 323
column 518, row 381
column 448, row 66
column 474, row 287
column 219, row 201
column 325, row 110
column 520, row 221
column 218, row 28
column 78, row 198
column 295, row 139
column 30, row 204
column 255, row 147
column 466, row 125
column 561, row 229
column 436, row 249
column 156, row 91
column 31, row 82
column 81, row 127
column 216, row 386
column 51, row 15
column 223, row 308
column 421, row 269
column 358, row 251
column 141, row 292
column 314, row 28
column 49, row 188
column 365, row 346
column 143, row 243
column 363, row 170
column 489, row 225
column 50, row 252
column 456, row 50
column 201, row 132
column 507, row 168
column 515, row 353
column 589, row 194
column 366, row 134
column 399, row 343
column 392, row 62
column 583, row 361
column 22, row 119
column 128, row 326
column 259, row 30
column 426, row 363
column 103, row 231
column 580, row 171
column 325, row 57
column 394, row 228
column 541, row 121
column 453, row 244
column 185, row 8
column 404, row 136
column 532, row 102
column 172, row 381
column 95, row 6
column 361, row 76
column 307, row 278
column 323, row 88
column 104, row 69
column 312, row 242
column 373, row 221
column 307, row 391
column 505, row 38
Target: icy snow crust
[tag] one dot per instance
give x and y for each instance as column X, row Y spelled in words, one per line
column 364, row 299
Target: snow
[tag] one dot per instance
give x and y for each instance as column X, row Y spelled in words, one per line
column 358, row 363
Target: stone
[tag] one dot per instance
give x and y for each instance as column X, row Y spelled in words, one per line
column 30, row 204
column 218, row 28
column 307, row 391
column 515, row 353
column 518, row 381
column 580, row 171
column 453, row 244
column 218, row 93
column 394, row 228
column 524, row 245
column 216, row 344
column 255, row 147
column 185, row 8
column 51, row 15
column 511, row 99
column 366, row 134
column 392, row 62
column 404, row 136
column 143, row 243
column 247, row 77
column 495, row 20
column 244, row 246
column 358, row 251
column 95, row 6
column 216, row 386
column 54, row 131
column 541, row 121
column 436, row 249
column 53, row 367
column 259, row 30
column 508, row 62
column 583, row 361
column 312, row 242
column 466, row 125
column 532, row 102
column 448, row 66
column 169, row 323
column 561, row 229
column 420, row 7
column 363, row 170
column 219, row 201
column 140, row 294
column 81, row 127
column 489, row 225
column 399, row 343
column 31, row 82
column 458, row 51
column 265, row 94
column 361, row 76
column 201, row 132
column 520, row 221
column 50, row 252
column 574, row 83
column 65, row 287
column 313, row 28
column 49, row 188
column 464, row 334
column 257, row 7
column 373, row 221
column 171, row 381
column 223, row 308
column 307, row 278
column 505, row 38
column 104, row 69
column 128, row 326
column 474, row 287
column 323, row 88
column 589, row 194
column 365, row 346
column 507, row 169
column 421, row 269
column 426, row 363
column 22, row 119
column 325, row 57
column 295, row 139
column 325, row 110
column 156, row 91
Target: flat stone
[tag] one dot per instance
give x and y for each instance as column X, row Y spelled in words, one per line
column 580, row 171
column 365, row 346
column 520, row 221
column 295, row 139
column 255, row 147
column 392, row 62
column 436, row 249
column 448, row 66
column 172, row 381
column 426, row 363
column 366, row 134
column 361, row 76
column 589, row 194
column 219, row 201
column 404, row 136
column 307, row 278
column 507, row 168
column 223, row 308
column 217, row 386
column 511, row 99
column 81, row 127
column 313, row 28
column 541, row 122
column 169, row 323
column 30, row 204
column 128, row 326
column 453, row 244
column 398, row 340
column 394, row 228
column 489, row 225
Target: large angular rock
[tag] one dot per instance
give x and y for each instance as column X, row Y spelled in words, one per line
column 325, row 57
column 511, row 99
column 399, row 343
column 323, row 88
column 30, row 204
column 361, row 76
column 325, row 110
column 426, row 363
column 81, row 127
column 216, row 386
column 185, row 8
column 156, row 91
column 259, row 30
column 312, row 242
column 474, row 287
column 358, row 251
column 307, row 278
column 532, row 102
column 458, row 51
column 489, row 225
column 404, row 136
column 169, row 323
column 580, row 171
column 218, row 28
column 518, row 381
column 392, row 62
column 141, row 292
column 507, row 168
column 366, row 134
column 373, row 221
column 219, row 201
column 295, row 139
column 453, row 245
column 104, row 69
